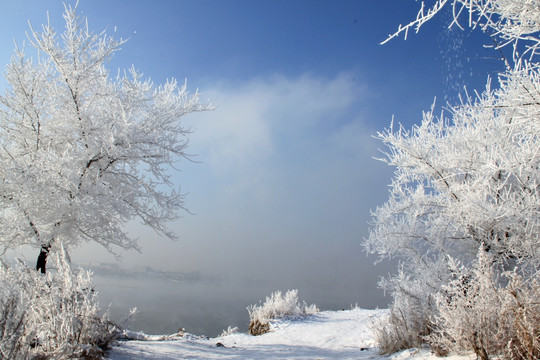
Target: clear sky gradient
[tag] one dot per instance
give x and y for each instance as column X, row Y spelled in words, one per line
column 285, row 178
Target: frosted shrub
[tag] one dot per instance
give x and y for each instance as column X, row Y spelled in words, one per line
column 521, row 312
column 488, row 314
column 469, row 310
column 229, row 331
column 276, row 306
column 53, row 316
column 409, row 319
column 11, row 328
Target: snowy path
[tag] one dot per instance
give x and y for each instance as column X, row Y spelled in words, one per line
column 326, row 335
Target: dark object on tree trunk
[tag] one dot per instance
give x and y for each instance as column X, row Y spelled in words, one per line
column 42, row 259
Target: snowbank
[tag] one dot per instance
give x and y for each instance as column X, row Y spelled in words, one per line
column 325, row 335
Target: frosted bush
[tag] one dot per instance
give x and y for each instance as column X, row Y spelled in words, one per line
column 52, row 316
column 488, row 314
column 521, row 312
column 229, row 331
column 277, row 306
column 408, row 321
column 469, row 310
column 12, row 321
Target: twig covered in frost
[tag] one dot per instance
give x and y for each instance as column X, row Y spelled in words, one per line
column 512, row 22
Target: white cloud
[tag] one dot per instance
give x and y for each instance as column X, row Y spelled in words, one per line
column 265, row 118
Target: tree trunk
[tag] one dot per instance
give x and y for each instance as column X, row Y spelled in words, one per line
column 42, row 259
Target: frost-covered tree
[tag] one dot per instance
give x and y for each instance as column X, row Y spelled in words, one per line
column 466, row 179
column 470, row 180
column 83, row 152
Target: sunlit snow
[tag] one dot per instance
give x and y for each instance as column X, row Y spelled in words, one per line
column 325, row 335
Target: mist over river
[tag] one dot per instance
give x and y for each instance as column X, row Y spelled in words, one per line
column 207, row 304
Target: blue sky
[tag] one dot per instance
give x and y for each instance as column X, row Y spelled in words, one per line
column 285, row 177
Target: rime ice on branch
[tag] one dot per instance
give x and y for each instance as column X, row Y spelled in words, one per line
column 510, row 22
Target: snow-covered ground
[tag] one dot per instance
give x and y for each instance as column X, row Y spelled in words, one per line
column 325, row 335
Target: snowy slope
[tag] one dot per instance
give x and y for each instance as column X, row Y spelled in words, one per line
column 325, row 335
